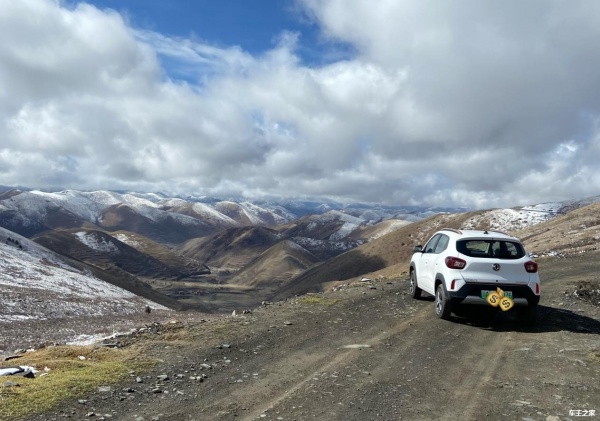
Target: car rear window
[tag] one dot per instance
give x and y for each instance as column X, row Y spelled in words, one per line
column 499, row 249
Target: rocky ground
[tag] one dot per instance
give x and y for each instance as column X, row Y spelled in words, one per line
column 365, row 353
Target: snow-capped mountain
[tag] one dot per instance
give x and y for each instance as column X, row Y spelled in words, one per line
column 174, row 220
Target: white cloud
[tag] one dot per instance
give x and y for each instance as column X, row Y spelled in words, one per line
column 473, row 103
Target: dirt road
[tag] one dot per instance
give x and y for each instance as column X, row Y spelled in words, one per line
column 372, row 352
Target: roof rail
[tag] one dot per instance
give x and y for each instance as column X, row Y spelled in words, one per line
column 498, row 232
column 452, row 230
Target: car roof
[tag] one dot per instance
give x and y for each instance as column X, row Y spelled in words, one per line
column 478, row 234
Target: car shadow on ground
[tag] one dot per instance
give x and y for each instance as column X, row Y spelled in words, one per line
column 549, row 319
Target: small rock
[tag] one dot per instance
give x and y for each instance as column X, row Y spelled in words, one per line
column 287, row 323
column 139, row 380
column 82, row 401
column 162, row 377
column 104, row 389
column 11, row 384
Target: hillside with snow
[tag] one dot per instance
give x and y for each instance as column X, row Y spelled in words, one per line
column 37, row 284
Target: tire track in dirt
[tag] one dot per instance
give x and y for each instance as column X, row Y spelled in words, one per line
column 329, row 360
column 486, row 358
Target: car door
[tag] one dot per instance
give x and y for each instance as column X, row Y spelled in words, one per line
column 425, row 269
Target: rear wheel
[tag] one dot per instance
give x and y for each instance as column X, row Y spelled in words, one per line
column 415, row 291
column 442, row 305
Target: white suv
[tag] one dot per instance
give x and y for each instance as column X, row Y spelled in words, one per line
column 467, row 266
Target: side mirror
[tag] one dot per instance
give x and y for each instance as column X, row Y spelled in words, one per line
column 418, row 249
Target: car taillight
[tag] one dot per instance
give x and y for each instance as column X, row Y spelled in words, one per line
column 537, row 289
column 531, row 266
column 455, row 262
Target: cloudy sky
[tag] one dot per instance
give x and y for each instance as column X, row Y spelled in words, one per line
column 476, row 103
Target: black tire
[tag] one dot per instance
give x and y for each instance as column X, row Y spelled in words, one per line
column 414, row 289
column 443, row 309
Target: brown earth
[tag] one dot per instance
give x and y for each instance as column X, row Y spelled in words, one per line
column 369, row 352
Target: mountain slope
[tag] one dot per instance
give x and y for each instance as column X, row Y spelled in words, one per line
column 575, row 232
column 231, row 249
column 378, row 254
column 275, row 266
column 107, row 253
column 36, row 283
column 249, row 214
column 333, row 225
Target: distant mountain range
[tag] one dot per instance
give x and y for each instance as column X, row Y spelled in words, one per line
column 214, row 255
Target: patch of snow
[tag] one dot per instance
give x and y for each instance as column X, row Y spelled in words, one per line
column 212, row 214
column 7, row 318
column 259, row 213
column 344, row 231
column 84, row 340
column 136, row 201
column 510, row 219
column 91, row 240
column 124, row 238
column 313, row 244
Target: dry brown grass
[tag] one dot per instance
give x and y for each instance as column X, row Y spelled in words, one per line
column 72, row 371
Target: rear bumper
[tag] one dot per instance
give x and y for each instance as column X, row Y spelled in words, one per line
column 471, row 293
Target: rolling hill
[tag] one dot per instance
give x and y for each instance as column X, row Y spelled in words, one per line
column 231, row 249
column 275, row 266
